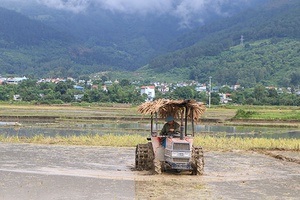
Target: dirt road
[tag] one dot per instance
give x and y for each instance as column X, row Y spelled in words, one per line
column 68, row 172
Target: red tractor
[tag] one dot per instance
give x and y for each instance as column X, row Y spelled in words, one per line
column 174, row 151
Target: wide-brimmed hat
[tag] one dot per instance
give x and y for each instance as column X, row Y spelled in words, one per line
column 169, row 118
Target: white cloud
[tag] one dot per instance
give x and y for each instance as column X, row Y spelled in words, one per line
column 72, row 5
column 137, row 6
column 185, row 10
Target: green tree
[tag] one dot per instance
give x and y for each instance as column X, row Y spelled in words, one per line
column 61, row 87
column 238, row 97
column 259, row 92
column 51, row 95
column 272, row 93
column 158, row 94
column 86, row 97
column 124, row 82
column 30, row 94
column 4, row 93
column 225, row 89
column 96, row 96
column 46, row 86
column 67, row 98
column 28, row 83
column 215, row 98
column 185, row 92
column 202, row 97
column 295, row 79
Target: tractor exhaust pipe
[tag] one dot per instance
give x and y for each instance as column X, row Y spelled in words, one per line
column 181, row 132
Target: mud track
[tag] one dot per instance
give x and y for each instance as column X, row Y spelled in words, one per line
column 280, row 155
column 71, row 172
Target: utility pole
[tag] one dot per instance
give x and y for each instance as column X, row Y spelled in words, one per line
column 242, row 40
column 209, row 93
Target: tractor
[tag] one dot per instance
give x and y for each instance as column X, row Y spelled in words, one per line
column 174, row 151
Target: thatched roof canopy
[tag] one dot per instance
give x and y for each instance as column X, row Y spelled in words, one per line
column 166, row 107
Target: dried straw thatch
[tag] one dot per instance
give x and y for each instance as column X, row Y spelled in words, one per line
column 166, row 107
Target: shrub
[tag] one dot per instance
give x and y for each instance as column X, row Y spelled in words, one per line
column 244, row 114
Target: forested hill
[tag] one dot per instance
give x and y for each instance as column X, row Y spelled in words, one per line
column 19, row 30
column 47, row 42
column 277, row 18
column 31, row 48
column 208, row 51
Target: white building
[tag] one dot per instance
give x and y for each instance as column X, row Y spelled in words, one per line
column 201, row 88
column 15, row 80
column 225, row 98
column 150, row 91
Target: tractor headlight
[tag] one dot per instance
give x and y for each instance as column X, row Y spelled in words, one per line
column 181, row 154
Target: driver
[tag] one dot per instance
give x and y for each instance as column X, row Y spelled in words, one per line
column 170, row 126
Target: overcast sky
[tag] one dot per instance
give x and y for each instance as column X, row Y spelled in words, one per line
column 183, row 9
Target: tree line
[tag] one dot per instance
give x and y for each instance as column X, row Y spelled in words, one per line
column 125, row 92
column 64, row 92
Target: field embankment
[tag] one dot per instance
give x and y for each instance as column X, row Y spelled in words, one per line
column 237, row 115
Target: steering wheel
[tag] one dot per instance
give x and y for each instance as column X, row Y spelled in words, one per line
column 173, row 133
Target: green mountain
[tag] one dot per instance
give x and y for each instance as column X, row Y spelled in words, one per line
column 48, row 42
column 45, row 42
column 25, row 44
column 270, row 53
column 68, row 39
column 18, row 30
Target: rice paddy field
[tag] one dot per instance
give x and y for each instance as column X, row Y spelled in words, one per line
column 120, row 125
column 88, row 151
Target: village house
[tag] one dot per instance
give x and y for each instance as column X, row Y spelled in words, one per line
column 15, row 80
column 201, row 88
column 225, row 98
column 150, row 91
column 77, row 87
column 163, row 87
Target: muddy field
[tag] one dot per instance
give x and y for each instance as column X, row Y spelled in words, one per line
column 68, row 172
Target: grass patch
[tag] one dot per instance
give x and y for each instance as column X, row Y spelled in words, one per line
column 84, row 140
column 207, row 142
column 266, row 114
column 242, row 114
column 236, row 143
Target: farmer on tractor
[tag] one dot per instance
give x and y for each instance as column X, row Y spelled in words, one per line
column 173, row 149
column 170, row 126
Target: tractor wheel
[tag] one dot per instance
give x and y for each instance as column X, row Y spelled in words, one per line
column 143, row 157
column 157, row 166
column 150, row 159
column 197, row 161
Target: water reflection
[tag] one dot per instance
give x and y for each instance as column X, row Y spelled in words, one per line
column 121, row 128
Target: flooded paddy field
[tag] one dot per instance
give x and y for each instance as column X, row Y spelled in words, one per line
column 79, row 172
column 124, row 127
column 72, row 172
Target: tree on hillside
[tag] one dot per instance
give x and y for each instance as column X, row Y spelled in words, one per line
column 295, row 78
column 124, row 82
